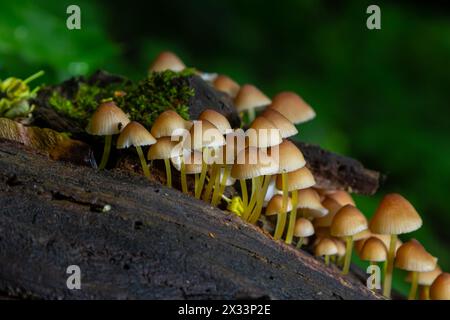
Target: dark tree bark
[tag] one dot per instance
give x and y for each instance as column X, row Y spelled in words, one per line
column 154, row 242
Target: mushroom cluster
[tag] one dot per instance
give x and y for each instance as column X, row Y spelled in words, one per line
column 271, row 176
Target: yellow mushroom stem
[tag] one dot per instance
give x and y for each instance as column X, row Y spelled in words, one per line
column 106, row 151
column 327, row 260
column 256, row 213
column 389, row 267
column 256, row 185
column 217, row 195
column 212, row 179
column 244, row 193
column 196, row 180
column 143, row 162
column 184, row 187
column 300, row 242
column 168, row 172
column 202, row 174
column 414, row 283
column 425, row 292
column 348, row 254
column 292, row 217
column 281, row 218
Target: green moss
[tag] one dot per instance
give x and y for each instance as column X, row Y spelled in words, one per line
column 143, row 100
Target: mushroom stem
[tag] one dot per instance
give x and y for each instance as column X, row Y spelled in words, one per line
column 281, row 218
column 292, row 218
column 143, row 161
column 414, row 283
column 202, row 175
column 251, row 115
column 333, row 258
column 327, row 260
column 221, row 189
column 168, row 172
column 34, row 76
column 212, row 179
column 256, row 184
column 184, row 187
column 426, row 292
column 244, row 192
column 106, row 151
column 299, row 242
column 348, row 254
column 196, row 179
column 389, row 267
column 257, row 211
column 216, row 185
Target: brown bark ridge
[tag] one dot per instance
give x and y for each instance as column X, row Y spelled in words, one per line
column 153, row 243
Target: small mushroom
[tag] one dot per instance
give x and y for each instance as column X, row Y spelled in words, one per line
column 293, row 107
column 165, row 149
column 440, row 289
column 287, row 128
column 394, row 215
column 167, row 60
column 106, row 121
column 309, row 204
column 226, row 84
column 347, row 222
column 425, row 280
column 303, row 229
column 342, row 197
column 276, row 207
column 190, row 163
column 248, row 99
column 326, row 247
column 134, row 134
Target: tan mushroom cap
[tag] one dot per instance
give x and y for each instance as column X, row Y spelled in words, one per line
column 107, row 120
column 385, row 238
column 205, row 134
column 164, row 148
column 134, row 134
column 342, row 197
column 298, row 179
column 440, row 289
column 348, row 221
column 167, row 60
column 309, row 203
column 289, row 156
column 412, row 256
column 217, row 119
column 263, row 134
column 287, row 128
column 333, row 207
column 341, row 249
column 250, row 97
column 373, row 250
column 395, row 215
column 275, row 205
column 226, row 84
column 168, row 124
column 303, row 228
column 253, row 162
column 425, row 278
column 325, row 247
column 192, row 162
column 293, row 107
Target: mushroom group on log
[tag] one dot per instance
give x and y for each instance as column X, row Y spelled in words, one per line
column 135, row 239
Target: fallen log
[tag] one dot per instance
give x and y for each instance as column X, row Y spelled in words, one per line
column 153, row 242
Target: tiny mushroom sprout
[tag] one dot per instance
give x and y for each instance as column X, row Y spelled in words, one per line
column 165, row 149
column 169, row 124
column 167, row 60
column 106, row 121
column 326, row 247
column 309, row 205
column 248, row 99
column 347, row 222
column 412, row 256
column 287, row 128
column 293, row 107
column 134, row 134
column 303, row 229
column 394, row 215
column 373, row 250
column 425, row 280
column 226, row 84
column 340, row 251
column 440, row 289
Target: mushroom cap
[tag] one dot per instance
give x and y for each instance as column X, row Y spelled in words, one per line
column 373, row 250
column 395, row 215
column 342, row 197
column 107, row 120
column 226, row 84
column 293, row 107
column 271, row 191
column 192, row 162
column 169, row 123
column 425, row 278
column 348, row 221
column 440, row 289
column 303, row 228
column 167, row 60
column 412, row 256
column 332, row 206
column 263, row 134
column 289, row 156
column 253, row 162
column 134, row 134
column 298, row 179
column 217, row 119
column 386, row 240
column 287, row 128
column 309, row 202
column 205, row 134
column 325, row 247
column 275, row 205
column 250, row 97
column 164, row 148
column 341, row 249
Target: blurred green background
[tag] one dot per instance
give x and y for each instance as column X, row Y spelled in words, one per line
column 381, row 96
